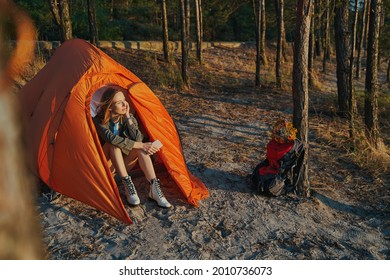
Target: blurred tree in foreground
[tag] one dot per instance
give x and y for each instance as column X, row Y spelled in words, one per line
column 20, row 236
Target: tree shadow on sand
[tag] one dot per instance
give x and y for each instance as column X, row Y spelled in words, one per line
column 352, row 209
column 215, row 179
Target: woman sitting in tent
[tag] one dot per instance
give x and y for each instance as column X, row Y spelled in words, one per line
column 118, row 129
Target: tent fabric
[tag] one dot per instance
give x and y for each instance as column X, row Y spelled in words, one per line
column 64, row 148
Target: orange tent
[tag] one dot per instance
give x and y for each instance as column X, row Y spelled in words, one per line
column 65, row 152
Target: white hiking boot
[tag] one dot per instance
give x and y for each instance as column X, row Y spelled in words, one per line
column 156, row 194
column 131, row 193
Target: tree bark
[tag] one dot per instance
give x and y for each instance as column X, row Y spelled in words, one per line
column 165, row 30
column 184, row 42
column 361, row 39
column 368, row 14
column 66, row 23
column 316, row 23
column 371, row 86
column 342, row 55
column 201, row 26
column 257, row 14
column 55, row 12
column 264, row 58
column 279, row 46
column 388, row 70
column 312, row 50
column 381, row 25
column 283, row 31
column 300, row 86
column 188, row 23
column 93, row 28
column 199, row 30
column 60, row 11
column 326, row 56
column 352, row 105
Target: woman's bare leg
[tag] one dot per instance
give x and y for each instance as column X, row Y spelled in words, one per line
column 155, row 192
column 118, row 161
column 123, row 164
column 116, row 157
column 146, row 164
column 131, row 160
column 147, row 167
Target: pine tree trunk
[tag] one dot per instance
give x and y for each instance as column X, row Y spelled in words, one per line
column 264, row 59
column 165, row 30
column 279, row 45
column 257, row 14
column 93, row 28
column 66, row 23
column 388, row 70
column 368, row 14
column 381, row 25
column 188, row 24
column 316, row 24
column 361, row 39
column 201, row 25
column 326, row 56
column 371, row 87
column 300, row 86
column 20, row 235
column 184, row 42
column 199, row 39
column 60, row 11
column 342, row 55
column 55, row 12
column 311, row 48
column 283, row 31
column 352, row 103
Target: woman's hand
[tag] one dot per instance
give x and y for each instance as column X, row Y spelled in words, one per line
column 127, row 106
column 147, row 148
column 128, row 114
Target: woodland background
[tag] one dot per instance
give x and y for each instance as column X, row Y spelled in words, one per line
column 229, row 20
column 354, row 32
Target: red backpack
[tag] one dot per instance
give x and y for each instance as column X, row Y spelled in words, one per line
column 274, row 176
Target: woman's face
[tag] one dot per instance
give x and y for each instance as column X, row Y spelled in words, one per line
column 119, row 104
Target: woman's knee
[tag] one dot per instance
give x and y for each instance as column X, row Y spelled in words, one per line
column 141, row 153
column 112, row 147
column 144, row 156
column 113, row 151
column 132, row 157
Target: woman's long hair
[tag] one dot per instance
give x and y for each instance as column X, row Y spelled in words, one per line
column 103, row 114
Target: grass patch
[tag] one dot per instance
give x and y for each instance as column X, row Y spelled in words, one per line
column 36, row 64
column 383, row 111
column 335, row 131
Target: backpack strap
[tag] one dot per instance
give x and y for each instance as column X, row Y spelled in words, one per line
column 289, row 160
column 297, row 168
column 291, row 165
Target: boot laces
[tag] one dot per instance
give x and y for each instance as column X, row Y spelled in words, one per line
column 129, row 185
column 156, row 185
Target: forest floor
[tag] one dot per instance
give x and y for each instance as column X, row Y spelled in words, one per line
column 223, row 122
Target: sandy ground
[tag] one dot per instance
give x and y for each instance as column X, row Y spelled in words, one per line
column 223, row 135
